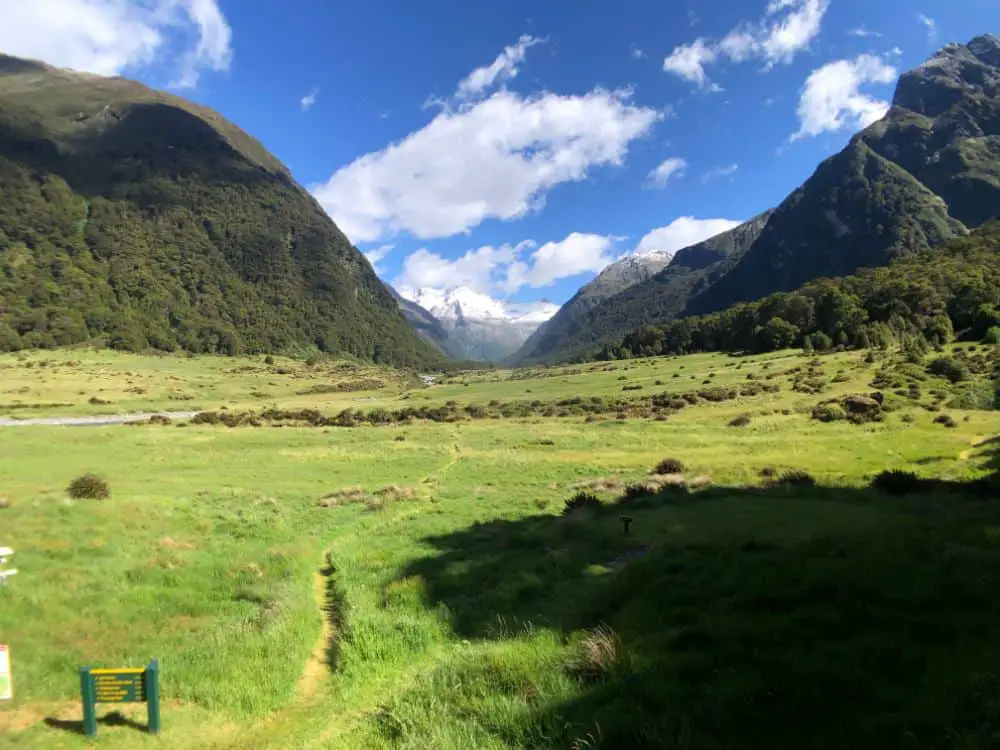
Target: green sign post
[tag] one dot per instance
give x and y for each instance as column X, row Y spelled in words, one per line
column 126, row 685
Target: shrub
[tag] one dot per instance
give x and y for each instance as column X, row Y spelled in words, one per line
column 581, row 501
column 795, row 478
column 268, row 360
column 740, row 421
column 992, row 336
column 898, row 482
column 669, row 466
column 946, row 419
column 947, row 367
column 89, row 487
column 828, row 412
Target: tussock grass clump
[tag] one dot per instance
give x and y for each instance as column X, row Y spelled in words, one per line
column 945, row 419
column 4, row 502
column 89, row 487
column 581, row 501
column 598, row 654
column 599, row 484
column 741, row 420
column 395, row 492
column 669, row 466
column 344, row 496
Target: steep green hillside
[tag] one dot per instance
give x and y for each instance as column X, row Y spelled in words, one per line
column 146, row 220
column 927, row 172
column 921, row 298
column 582, row 323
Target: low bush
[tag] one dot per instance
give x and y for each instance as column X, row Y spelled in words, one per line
column 669, row 466
column 946, row 419
column 949, row 368
column 581, row 501
column 740, row 421
column 898, row 482
column 795, row 478
column 828, row 413
column 89, row 487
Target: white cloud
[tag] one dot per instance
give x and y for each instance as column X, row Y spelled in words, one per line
column 683, row 232
column 110, row 37
column 717, row 172
column 831, row 99
column 496, row 158
column 508, row 268
column 672, row 167
column 307, row 101
column 476, row 269
column 578, row 253
column 503, row 68
column 931, row 25
column 864, row 33
column 788, row 27
column 376, row 255
column 689, row 61
column 795, row 32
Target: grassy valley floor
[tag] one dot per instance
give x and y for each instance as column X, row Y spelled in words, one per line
column 417, row 585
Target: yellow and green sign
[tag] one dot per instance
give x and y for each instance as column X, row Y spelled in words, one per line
column 123, row 685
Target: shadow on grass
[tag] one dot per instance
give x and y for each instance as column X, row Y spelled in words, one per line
column 113, row 719
column 744, row 617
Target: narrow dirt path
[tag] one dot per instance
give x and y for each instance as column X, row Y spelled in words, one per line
column 95, row 420
column 975, row 443
column 317, row 666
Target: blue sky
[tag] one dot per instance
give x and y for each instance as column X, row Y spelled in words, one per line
column 515, row 148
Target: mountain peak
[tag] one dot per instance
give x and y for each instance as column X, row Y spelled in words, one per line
column 952, row 75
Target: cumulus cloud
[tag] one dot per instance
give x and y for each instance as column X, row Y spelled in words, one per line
column 376, row 255
column 495, row 158
column 832, row 99
column 111, row 37
column 578, row 253
column 683, row 232
column 503, row 68
column 307, row 101
column 717, row 172
column 508, row 268
column 788, row 27
column 672, row 167
column 931, row 25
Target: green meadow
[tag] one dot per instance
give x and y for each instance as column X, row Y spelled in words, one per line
column 419, row 584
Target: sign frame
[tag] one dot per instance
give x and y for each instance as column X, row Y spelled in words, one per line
column 121, row 685
column 6, row 674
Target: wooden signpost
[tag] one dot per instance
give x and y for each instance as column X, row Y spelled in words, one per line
column 125, row 685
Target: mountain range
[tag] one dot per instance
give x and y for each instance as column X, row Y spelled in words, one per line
column 929, row 170
column 143, row 220
column 469, row 325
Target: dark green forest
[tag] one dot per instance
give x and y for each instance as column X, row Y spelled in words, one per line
column 144, row 223
column 922, row 299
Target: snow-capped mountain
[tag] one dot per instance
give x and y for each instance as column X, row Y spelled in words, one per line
column 477, row 325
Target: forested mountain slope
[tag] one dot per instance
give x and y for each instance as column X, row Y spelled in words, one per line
column 146, row 220
column 926, row 172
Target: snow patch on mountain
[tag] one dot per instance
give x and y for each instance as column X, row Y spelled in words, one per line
column 462, row 303
column 478, row 326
